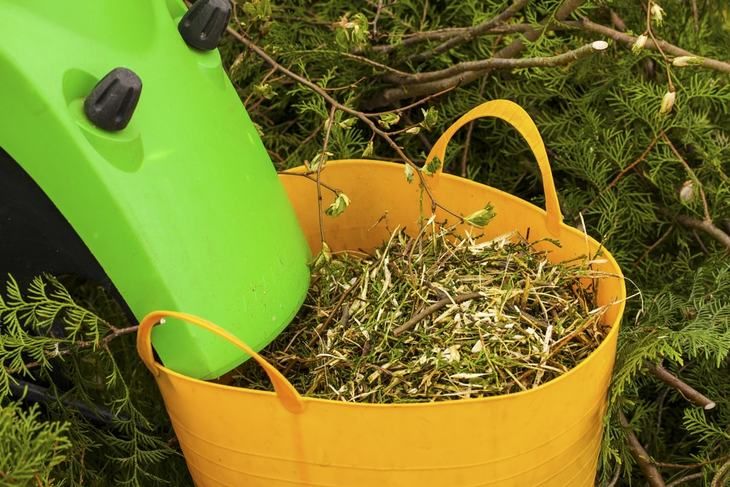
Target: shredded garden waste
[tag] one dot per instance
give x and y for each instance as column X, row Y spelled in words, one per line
column 436, row 316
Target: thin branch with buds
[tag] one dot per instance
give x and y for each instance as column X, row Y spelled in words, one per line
column 653, row 44
column 452, row 73
column 320, row 165
column 390, row 95
column 339, row 106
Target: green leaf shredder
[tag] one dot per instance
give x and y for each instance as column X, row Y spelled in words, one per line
column 127, row 158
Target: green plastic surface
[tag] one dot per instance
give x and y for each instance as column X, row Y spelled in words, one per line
column 183, row 208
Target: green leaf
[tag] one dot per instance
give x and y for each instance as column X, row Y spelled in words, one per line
column 481, row 217
column 432, row 166
column 323, row 257
column 368, row 150
column 352, row 33
column 313, row 165
column 338, row 206
column 264, row 90
column 389, row 119
column 430, row 118
column 348, row 123
column 257, row 9
column 409, row 172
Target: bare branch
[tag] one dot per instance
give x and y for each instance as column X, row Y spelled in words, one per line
column 616, row 477
column 689, row 393
column 695, row 15
column 705, row 226
column 452, row 33
column 320, row 165
column 471, row 32
column 477, row 67
column 311, row 178
column 685, row 479
column 391, row 95
column 650, row 471
column 360, row 115
column 629, row 41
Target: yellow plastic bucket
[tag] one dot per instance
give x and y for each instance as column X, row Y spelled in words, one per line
column 547, row 436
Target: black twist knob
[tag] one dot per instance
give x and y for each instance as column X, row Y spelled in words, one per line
column 204, row 24
column 111, row 104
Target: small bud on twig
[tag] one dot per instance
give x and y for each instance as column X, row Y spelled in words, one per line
column 657, row 13
column 687, row 192
column 639, row 44
column 683, row 61
column 481, row 218
column 409, row 172
column 339, row 205
column 668, row 102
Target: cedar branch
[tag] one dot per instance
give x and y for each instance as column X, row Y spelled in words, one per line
column 80, row 345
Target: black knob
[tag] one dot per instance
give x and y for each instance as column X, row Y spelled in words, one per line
column 112, row 101
column 204, row 24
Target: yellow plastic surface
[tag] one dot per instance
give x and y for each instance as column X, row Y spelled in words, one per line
column 547, row 436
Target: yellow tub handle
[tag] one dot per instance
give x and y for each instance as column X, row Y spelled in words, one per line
column 286, row 392
column 516, row 116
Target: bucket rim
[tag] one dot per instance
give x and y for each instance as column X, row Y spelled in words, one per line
column 619, row 301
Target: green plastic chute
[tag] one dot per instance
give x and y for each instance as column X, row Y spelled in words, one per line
column 181, row 207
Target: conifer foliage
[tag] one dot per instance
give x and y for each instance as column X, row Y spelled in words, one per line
column 638, row 133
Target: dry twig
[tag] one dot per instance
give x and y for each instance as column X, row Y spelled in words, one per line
column 629, row 40
column 475, row 67
column 705, row 226
column 685, row 479
column 650, row 471
column 471, row 33
column 689, row 393
column 433, row 308
column 322, row 161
